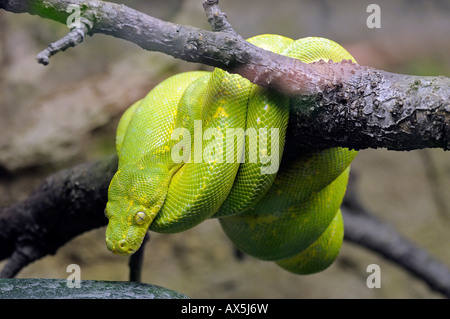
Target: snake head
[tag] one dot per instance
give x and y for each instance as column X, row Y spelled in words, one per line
column 135, row 196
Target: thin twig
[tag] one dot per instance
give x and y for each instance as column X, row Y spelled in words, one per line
column 71, row 39
column 71, row 202
column 136, row 260
column 349, row 105
column 339, row 104
column 216, row 17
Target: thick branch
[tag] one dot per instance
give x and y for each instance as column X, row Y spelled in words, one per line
column 62, row 207
column 346, row 104
column 224, row 49
column 72, row 201
column 376, row 109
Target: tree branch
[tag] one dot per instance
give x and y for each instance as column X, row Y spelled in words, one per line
column 364, row 229
column 216, row 18
column 71, row 39
column 377, row 110
column 71, row 202
column 63, row 206
column 136, row 260
column 336, row 104
column 342, row 104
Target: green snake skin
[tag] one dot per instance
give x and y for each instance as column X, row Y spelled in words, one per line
column 206, row 145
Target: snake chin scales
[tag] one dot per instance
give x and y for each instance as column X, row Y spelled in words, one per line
column 206, row 145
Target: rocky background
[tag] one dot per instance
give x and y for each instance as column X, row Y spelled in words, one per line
column 66, row 113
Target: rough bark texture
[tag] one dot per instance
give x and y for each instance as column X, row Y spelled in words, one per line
column 38, row 288
column 335, row 104
column 72, row 201
column 348, row 104
column 63, row 206
column 377, row 109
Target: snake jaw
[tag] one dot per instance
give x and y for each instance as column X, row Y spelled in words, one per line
column 121, row 247
column 124, row 235
column 133, row 203
column 126, row 240
column 290, row 221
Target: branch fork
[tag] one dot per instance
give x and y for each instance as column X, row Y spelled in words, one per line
column 216, row 18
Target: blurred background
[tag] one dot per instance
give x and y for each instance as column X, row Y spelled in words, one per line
column 66, row 113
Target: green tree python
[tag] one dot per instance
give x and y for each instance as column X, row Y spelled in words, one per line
column 206, row 145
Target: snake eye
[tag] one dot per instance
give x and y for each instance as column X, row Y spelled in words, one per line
column 140, row 218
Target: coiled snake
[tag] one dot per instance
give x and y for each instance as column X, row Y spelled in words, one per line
column 209, row 145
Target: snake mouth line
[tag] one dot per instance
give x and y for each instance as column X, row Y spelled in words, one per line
column 120, row 248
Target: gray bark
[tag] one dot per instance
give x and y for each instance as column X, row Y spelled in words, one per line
column 334, row 104
column 347, row 104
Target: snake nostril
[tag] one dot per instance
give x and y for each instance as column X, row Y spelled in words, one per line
column 119, row 247
column 122, row 246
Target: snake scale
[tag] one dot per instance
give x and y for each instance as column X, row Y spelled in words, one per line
column 206, row 145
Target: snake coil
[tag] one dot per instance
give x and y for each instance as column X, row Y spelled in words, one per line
column 211, row 145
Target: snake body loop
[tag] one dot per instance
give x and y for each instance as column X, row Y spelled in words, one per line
column 206, row 145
